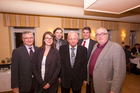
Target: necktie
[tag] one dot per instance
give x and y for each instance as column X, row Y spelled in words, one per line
column 31, row 52
column 57, row 45
column 84, row 43
column 72, row 57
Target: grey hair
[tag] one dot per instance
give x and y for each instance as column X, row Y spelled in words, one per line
column 72, row 32
column 101, row 28
column 26, row 32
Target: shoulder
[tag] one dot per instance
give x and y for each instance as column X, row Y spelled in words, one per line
column 115, row 45
column 64, row 41
column 19, row 48
column 35, row 47
column 80, row 39
column 81, row 47
column 54, row 49
column 64, row 46
column 133, row 48
column 92, row 41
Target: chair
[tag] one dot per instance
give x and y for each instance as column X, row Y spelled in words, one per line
column 128, row 66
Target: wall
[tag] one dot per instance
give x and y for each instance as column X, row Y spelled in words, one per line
column 138, row 37
column 50, row 23
column 93, row 24
column 4, row 40
column 126, row 28
column 46, row 24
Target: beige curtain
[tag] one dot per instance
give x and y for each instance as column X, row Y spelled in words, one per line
column 110, row 25
column 73, row 23
column 21, row 20
column 135, row 27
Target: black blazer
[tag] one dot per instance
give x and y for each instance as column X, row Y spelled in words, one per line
column 134, row 50
column 64, row 42
column 52, row 69
column 91, row 45
column 73, row 77
column 21, row 74
column 128, row 55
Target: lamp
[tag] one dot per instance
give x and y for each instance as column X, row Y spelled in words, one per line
column 123, row 35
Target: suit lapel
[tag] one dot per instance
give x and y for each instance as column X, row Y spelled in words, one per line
column 89, row 48
column 68, row 56
column 26, row 52
column 80, row 41
column 76, row 56
column 102, row 54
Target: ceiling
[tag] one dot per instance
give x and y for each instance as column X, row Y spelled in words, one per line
column 114, row 10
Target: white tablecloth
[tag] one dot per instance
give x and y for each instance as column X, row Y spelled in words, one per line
column 5, row 81
column 136, row 61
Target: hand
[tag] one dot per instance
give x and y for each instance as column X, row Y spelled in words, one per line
column 59, row 80
column 111, row 92
column 135, row 55
column 15, row 90
column 85, row 82
column 46, row 86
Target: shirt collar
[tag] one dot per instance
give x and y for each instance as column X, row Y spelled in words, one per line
column 74, row 47
column 102, row 45
column 86, row 40
column 29, row 47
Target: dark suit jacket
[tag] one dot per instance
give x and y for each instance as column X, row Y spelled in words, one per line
column 134, row 50
column 91, row 45
column 52, row 69
column 21, row 74
column 128, row 55
column 73, row 77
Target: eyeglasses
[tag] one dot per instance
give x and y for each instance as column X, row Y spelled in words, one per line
column 102, row 34
column 49, row 38
column 28, row 38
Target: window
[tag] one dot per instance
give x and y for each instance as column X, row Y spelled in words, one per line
column 109, row 33
column 16, row 35
column 66, row 31
column 132, row 38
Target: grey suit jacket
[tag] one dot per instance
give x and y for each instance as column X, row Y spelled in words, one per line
column 21, row 74
column 110, row 69
column 91, row 45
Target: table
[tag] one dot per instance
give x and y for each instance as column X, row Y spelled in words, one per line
column 5, row 80
column 5, row 65
column 136, row 61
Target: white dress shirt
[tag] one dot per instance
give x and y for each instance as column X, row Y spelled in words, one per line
column 43, row 67
column 75, row 51
column 27, row 47
column 87, row 43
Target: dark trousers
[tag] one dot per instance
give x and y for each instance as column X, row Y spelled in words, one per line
column 32, row 87
column 67, row 90
column 90, row 87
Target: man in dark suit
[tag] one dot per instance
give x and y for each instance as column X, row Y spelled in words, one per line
column 136, row 49
column 74, row 65
column 127, row 53
column 21, row 74
column 89, row 44
column 86, row 41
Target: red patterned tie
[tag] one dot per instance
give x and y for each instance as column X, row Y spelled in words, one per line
column 84, row 43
